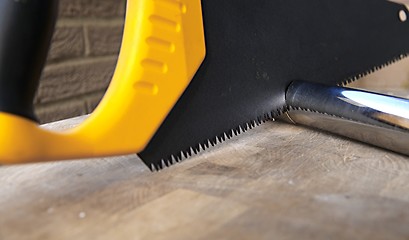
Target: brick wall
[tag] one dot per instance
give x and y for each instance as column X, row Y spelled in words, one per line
column 82, row 58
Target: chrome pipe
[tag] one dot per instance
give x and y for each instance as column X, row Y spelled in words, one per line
column 373, row 118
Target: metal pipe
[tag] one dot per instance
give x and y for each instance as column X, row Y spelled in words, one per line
column 373, row 118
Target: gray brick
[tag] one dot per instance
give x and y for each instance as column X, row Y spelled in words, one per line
column 92, row 8
column 69, row 81
column 93, row 101
column 104, row 40
column 99, row 76
column 68, row 42
column 61, row 110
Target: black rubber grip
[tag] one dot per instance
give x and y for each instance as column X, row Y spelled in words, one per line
column 26, row 28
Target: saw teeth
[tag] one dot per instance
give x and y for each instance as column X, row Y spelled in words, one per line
column 229, row 134
column 157, row 168
column 238, row 131
column 152, row 167
column 372, row 70
column 225, row 137
column 179, row 157
column 185, row 154
column 258, row 121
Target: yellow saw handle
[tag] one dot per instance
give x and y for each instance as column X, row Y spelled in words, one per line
column 163, row 46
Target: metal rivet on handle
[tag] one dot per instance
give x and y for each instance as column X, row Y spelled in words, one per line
column 403, row 16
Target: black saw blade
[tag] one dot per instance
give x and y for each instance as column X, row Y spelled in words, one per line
column 255, row 48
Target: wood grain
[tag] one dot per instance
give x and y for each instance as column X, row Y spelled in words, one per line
column 277, row 181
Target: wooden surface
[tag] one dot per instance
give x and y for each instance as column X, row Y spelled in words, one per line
column 276, row 181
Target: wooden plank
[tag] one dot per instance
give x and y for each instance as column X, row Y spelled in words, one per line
column 276, row 181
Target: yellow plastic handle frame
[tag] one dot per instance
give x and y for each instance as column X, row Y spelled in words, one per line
column 162, row 48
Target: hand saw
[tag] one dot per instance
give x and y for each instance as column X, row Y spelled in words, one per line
column 170, row 98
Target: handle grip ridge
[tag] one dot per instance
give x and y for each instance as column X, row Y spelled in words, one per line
column 26, row 28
